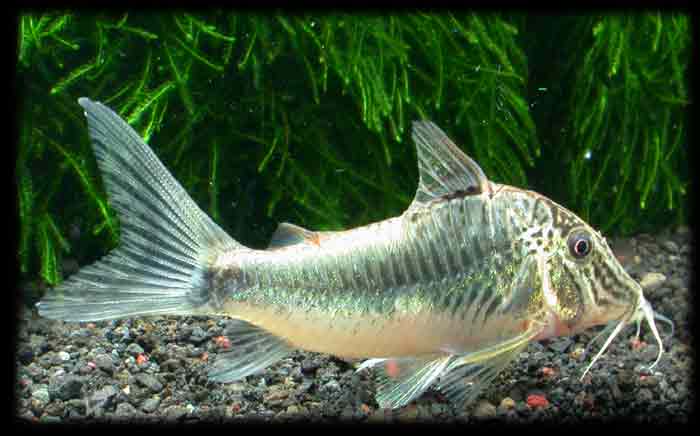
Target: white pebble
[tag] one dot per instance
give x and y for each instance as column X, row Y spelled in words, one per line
column 651, row 281
column 63, row 356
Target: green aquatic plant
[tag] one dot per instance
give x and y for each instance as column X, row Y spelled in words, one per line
column 628, row 122
column 306, row 117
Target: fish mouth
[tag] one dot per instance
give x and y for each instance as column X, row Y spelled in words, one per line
column 643, row 311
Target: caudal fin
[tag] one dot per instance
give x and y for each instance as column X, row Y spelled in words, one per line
column 167, row 242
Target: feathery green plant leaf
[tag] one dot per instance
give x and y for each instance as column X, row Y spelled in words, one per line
column 307, row 116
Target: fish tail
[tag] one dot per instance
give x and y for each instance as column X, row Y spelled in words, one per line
column 167, row 243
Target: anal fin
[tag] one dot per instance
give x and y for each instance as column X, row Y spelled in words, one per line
column 252, row 349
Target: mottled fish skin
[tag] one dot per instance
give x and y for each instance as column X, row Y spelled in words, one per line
column 446, row 294
column 435, row 269
column 432, row 269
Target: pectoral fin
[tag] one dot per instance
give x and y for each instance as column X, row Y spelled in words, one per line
column 401, row 380
column 468, row 374
column 252, row 349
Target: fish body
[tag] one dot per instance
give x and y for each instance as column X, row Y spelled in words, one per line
column 446, row 294
column 403, row 286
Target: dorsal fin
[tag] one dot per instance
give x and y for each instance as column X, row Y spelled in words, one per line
column 443, row 168
column 291, row 234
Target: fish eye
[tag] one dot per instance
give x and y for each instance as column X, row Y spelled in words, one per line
column 580, row 244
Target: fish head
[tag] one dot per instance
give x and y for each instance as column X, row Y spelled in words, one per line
column 588, row 284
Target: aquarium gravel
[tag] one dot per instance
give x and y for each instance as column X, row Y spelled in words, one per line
column 154, row 369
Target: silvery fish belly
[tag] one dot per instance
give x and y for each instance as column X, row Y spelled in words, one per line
column 445, row 295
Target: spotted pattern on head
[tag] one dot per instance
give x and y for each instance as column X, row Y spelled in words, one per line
column 588, row 283
column 590, row 279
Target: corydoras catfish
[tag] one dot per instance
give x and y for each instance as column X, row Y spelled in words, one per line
column 446, row 294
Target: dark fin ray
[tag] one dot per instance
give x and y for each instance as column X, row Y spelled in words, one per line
column 444, row 169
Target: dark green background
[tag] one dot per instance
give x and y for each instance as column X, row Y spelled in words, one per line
column 269, row 117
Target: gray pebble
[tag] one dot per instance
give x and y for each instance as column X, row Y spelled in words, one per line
column 323, row 389
column 484, row 409
column 35, row 371
column 438, row 409
column 683, row 230
column 41, row 393
column 176, row 412
column 56, row 408
column 615, row 390
column 380, row 415
column 198, row 335
column 645, row 396
column 649, row 353
column 275, row 394
column 105, row 363
column 522, row 408
column 65, row 387
column 171, row 365
column 560, row 345
column 80, row 333
column 310, row 365
column 76, row 404
column 347, row 413
column 663, row 292
column 25, row 354
column 195, row 352
column 685, row 249
column 125, row 410
column 102, row 400
column 516, row 393
column 123, row 331
column 305, row 385
column 332, row 385
column 149, row 381
column 670, row 246
column 39, row 344
column 85, row 369
column 557, row 394
column 293, row 410
column 150, row 405
column 676, row 282
column 134, row 349
column 649, row 381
